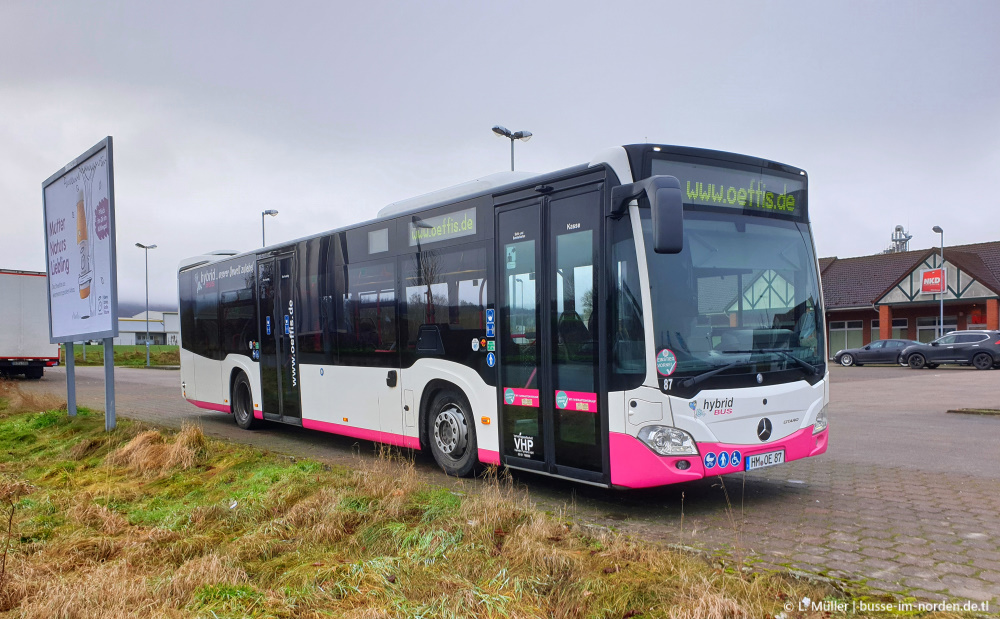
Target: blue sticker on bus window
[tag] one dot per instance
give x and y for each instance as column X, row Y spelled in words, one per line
column 489, row 316
column 710, row 460
column 491, row 359
column 490, row 330
column 735, row 458
column 286, row 324
column 723, row 459
column 269, row 325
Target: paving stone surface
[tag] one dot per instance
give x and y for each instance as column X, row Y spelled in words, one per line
column 907, row 499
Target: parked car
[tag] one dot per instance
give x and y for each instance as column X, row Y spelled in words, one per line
column 980, row 349
column 879, row 351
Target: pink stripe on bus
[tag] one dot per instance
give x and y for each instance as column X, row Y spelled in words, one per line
column 362, row 433
column 633, row 465
column 488, row 456
column 210, row 405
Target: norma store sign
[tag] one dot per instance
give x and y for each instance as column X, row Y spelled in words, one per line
column 932, row 281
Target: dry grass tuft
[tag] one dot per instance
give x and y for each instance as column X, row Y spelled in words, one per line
column 211, row 569
column 706, row 603
column 20, row 401
column 148, row 454
column 97, row 516
column 86, row 447
column 110, row 590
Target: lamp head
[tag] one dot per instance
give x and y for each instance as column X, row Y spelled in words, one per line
column 270, row 212
column 524, row 136
column 501, row 131
column 938, row 229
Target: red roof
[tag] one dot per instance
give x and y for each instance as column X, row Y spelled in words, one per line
column 859, row 282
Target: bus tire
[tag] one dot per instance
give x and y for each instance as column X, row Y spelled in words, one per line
column 916, row 361
column 242, row 405
column 34, row 373
column 451, row 433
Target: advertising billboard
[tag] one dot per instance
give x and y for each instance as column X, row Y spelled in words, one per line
column 79, row 215
column 932, row 281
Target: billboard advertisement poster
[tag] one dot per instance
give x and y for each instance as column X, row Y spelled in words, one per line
column 932, row 281
column 79, row 213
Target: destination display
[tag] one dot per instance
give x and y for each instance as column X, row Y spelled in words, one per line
column 725, row 187
column 442, row 227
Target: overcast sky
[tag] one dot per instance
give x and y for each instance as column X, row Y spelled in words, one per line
column 328, row 111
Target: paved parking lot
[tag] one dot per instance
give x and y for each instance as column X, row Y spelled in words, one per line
column 907, row 497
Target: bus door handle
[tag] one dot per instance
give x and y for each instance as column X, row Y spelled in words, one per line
column 391, row 378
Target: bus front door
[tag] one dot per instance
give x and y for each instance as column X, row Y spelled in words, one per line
column 553, row 416
column 279, row 371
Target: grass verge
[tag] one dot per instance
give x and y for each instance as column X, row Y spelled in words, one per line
column 125, row 356
column 146, row 522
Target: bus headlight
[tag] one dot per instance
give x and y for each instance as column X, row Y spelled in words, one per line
column 668, row 441
column 821, row 422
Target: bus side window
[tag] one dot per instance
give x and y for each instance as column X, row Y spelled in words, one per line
column 368, row 336
column 444, row 293
column 627, row 335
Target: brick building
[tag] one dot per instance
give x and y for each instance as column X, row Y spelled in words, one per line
column 878, row 297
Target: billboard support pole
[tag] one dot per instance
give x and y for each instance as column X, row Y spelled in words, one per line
column 70, row 380
column 109, row 384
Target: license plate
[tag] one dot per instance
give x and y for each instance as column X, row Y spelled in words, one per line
column 19, row 363
column 759, row 461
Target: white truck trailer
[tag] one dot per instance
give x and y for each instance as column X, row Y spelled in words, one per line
column 24, row 325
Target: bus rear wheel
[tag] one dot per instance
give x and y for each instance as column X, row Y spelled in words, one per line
column 243, row 403
column 451, row 433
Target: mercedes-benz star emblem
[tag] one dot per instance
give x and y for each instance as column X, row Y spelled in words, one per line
column 760, row 378
column 764, row 429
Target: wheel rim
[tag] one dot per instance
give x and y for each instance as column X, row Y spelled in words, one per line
column 982, row 362
column 451, row 433
column 846, row 360
column 917, row 361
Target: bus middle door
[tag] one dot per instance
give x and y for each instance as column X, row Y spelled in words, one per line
column 279, row 368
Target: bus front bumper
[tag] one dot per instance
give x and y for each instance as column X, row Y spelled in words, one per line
column 633, row 465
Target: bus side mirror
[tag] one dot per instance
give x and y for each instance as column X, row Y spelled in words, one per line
column 666, row 204
column 668, row 216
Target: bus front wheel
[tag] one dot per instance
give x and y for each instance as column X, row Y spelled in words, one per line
column 451, row 432
column 243, row 403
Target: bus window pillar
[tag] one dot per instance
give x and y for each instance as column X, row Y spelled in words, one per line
column 884, row 322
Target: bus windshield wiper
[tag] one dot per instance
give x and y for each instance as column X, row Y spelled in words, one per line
column 694, row 380
column 802, row 363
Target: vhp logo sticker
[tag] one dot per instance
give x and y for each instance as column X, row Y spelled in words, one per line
column 524, row 446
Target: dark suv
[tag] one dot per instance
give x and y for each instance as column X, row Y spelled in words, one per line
column 977, row 348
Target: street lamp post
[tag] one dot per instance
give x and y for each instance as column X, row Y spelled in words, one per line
column 272, row 213
column 504, row 132
column 146, row 248
column 940, row 231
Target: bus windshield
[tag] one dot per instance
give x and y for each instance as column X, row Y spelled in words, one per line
column 742, row 297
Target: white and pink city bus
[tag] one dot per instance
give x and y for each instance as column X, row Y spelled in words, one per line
column 651, row 317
